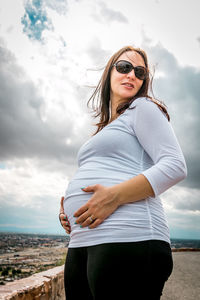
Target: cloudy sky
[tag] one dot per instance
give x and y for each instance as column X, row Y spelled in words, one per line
column 51, row 53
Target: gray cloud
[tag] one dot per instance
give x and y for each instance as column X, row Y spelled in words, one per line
column 60, row 6
column 184, row 199
column 23, row 133
column 98, row 55
column 190, row 204
column 180, row 89
column 108, row 15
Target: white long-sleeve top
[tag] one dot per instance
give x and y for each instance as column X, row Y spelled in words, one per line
column 139, row 141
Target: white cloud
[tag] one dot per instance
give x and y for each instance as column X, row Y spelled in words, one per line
column 183, row 211
column 60, row 6
column 183, row 200
column 104, row 14
column 27, row 181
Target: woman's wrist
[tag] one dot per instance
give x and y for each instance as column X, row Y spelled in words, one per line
column 115, row 191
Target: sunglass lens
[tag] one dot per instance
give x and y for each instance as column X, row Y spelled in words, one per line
column 140, row 72
column 123, row 67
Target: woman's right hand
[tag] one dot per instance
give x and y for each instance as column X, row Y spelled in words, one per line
column 63, row 218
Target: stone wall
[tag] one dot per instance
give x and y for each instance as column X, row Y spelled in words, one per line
column 47, row 285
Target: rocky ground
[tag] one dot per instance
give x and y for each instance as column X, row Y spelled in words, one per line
column 184, row 282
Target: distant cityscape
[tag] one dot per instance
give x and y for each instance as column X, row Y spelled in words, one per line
column 185, row 244
column 10, row 242
column 22, row 255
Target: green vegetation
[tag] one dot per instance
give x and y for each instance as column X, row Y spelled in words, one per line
column 61, row 261
column 9, row 271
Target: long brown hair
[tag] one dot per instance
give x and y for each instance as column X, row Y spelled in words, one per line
column 102, row 91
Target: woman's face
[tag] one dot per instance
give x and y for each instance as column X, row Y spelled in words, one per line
column 125, row 86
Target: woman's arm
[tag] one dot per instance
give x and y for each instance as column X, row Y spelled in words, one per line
column 157, row 137
column 159, row 141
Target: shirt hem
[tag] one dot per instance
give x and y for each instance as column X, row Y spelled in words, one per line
column 93, row 243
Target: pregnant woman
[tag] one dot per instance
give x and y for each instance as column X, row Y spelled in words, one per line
column 119, row 238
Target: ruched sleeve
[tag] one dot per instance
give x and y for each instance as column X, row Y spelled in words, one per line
column 156, row 135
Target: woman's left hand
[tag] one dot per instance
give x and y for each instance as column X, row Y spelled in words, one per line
column 100, row 206
column 63, row 218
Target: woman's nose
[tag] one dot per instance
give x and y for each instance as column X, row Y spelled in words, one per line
column 131, row 74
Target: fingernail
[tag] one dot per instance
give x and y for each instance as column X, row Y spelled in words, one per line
column 75, row 223
column 67, row 223
column 65, row 218
column 82, row 188
column 81, row 226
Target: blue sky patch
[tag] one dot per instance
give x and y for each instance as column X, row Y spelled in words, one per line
column 2, row 165
column 35, row 20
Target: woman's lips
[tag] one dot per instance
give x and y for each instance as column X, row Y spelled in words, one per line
column 128, row 85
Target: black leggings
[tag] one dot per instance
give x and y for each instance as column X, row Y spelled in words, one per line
column 132, row 270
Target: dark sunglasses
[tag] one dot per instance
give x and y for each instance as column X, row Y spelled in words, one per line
column 124, row 67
